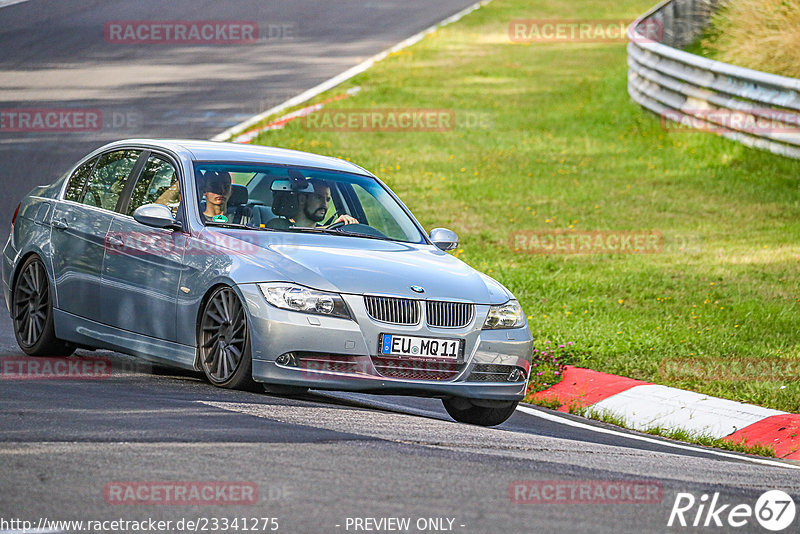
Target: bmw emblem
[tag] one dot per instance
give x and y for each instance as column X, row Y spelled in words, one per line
column 417, row 289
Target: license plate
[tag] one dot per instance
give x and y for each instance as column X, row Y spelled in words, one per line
column 421, row 347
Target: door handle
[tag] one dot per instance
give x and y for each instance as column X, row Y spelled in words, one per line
column 114, row 241
column 60, row 224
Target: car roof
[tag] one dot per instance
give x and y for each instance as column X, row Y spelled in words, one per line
column 243, row 153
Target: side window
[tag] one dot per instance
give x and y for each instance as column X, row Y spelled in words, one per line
column 157, row 184
column 108, row 178
column 78, row 180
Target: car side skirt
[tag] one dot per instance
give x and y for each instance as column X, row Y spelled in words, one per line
column 82, row 331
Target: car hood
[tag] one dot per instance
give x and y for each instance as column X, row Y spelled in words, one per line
column 362, row 266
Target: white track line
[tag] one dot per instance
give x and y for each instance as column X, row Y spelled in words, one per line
column 600, row 430
column 346, row 75
column 6, row 3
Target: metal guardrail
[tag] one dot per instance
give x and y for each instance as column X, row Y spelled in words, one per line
column 688, row 91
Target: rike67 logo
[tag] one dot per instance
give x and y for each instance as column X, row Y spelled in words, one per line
column 774, row 510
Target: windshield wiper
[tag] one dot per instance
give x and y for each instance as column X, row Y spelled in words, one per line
column 357, row 234
column 320, row 230
column 235, row 226
column 305, row 229
column 224, row 225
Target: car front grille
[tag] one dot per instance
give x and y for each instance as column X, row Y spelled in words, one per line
column 392, row 310
column 439, row 314
column 492, row 372
column 416, row 370
column 448, row 314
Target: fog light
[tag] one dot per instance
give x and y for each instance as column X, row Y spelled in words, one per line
column 517, row 375
column 286, row 359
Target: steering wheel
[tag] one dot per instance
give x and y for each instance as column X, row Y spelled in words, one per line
column 359, row 228
column 336, row 225
column 332, row 218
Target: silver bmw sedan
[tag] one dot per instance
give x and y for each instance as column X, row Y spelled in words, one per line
column 262, row 266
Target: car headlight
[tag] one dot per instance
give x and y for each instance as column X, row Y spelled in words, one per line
column 302, row 299
column 508, row 315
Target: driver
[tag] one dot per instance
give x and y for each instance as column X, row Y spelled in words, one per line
column 312, row 207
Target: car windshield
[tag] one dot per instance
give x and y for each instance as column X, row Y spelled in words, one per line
column 297, row 199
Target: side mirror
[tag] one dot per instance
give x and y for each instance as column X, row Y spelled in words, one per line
column 157, row 216
column 444, row 239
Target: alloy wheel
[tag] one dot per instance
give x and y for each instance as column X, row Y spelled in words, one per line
column 31, row 299
column 223, row 336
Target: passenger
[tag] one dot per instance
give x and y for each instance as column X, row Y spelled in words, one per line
column 216, row 188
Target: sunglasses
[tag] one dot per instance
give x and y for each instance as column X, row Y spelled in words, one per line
column 218, row 188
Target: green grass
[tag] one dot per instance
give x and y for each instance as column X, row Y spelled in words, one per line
column 561, row 146
column 552, row 404
column 708, row 441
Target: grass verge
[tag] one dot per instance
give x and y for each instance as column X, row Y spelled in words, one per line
column 758, row 34
column 546, row 139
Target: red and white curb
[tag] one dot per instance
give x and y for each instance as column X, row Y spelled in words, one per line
column 280, row 122
column 642, row 405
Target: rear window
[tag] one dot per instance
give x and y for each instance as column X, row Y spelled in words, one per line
column 78, row 179
column 108, row 179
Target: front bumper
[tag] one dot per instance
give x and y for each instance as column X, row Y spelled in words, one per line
column 350, row 349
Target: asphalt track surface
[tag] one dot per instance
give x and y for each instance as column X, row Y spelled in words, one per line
column 322, row 458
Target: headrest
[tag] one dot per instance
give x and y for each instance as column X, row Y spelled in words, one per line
column 239, row 195
column 285, row 203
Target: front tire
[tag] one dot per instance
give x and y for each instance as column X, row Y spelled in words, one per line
column 32, row 312
column 466, row 411
column 224, row 341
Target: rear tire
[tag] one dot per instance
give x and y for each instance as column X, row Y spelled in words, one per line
column 224, row 342
column 32, row 312
column 465, row 411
